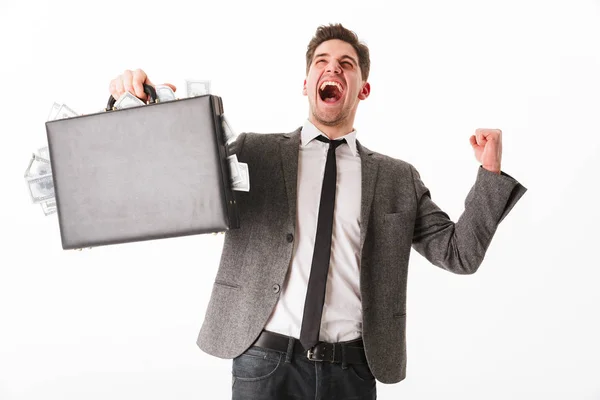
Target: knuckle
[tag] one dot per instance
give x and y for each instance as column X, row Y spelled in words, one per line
column 139, row 76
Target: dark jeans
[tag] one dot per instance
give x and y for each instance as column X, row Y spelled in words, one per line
column 262, row 374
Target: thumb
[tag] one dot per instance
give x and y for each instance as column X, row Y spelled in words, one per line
column 173, row 88
column 473, row 141
column 149, row 82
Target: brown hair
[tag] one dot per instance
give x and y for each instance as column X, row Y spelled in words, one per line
column 337, row 31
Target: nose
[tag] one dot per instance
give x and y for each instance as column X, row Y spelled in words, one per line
column 334, row 67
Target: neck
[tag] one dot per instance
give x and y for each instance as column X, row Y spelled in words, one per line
column 333, row 131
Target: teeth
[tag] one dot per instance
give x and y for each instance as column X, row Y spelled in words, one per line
column 332, row 83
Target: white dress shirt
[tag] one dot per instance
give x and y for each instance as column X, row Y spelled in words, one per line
column 342, row 311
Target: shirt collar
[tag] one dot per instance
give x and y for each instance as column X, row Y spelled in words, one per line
column 310, row 132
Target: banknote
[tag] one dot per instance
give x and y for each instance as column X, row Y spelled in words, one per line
column 49, row 206
column 53, row 111
column 37, row 167
column 227, row 131
column 44, row 153
column 127, row 100
column 65, row 112
column 41, row 188
column 164, row 93
column 244, row 184
column 235, row 174
column 197, row 88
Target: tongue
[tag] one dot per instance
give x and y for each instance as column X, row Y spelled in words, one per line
column 330, row 94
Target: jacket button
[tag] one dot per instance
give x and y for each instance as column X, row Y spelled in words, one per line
column 276, row 288
column 290, row 238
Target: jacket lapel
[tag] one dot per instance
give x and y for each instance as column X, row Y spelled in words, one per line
column 290, row 145
column 369, row 168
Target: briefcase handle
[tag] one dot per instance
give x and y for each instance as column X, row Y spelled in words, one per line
column 149, row 90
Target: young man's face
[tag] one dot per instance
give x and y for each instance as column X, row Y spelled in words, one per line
column 334, row 85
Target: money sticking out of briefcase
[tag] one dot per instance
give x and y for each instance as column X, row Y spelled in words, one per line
column 148, row 172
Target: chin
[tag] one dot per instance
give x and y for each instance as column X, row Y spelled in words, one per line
column 330, row 119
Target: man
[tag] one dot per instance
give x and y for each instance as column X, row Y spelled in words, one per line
column 310, row 297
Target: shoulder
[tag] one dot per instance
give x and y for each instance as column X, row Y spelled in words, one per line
column 250, row 143
column 268, row 138
column 386, row 162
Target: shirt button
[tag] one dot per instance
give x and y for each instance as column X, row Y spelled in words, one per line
column 290, row 238
column 276, row 288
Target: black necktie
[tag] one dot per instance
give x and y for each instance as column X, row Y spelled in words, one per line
column 315, row 294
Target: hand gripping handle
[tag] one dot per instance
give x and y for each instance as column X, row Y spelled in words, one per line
column 149, row 90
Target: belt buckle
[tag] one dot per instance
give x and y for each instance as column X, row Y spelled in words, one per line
column 310, row 354
column 313, row 354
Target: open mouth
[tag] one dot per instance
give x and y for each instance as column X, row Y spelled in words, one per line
column 330, row 91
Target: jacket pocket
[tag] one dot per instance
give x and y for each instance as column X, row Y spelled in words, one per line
column 399, row 217
column 227, row 284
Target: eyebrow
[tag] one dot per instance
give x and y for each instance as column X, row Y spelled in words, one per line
column 345, row 56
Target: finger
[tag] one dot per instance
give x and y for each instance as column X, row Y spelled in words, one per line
column 127, row 78
column 139, row 77
column 119, row 88
column 171, row 86
column 494, row 134
column 489, row 132
column 480, row 138
column 112, row 89
column 473, row 141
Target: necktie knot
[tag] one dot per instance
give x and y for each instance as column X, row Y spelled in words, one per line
column 333, row 144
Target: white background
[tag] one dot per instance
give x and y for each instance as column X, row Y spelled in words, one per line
column 120, row 322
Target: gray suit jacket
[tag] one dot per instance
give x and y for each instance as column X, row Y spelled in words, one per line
column 397, row 213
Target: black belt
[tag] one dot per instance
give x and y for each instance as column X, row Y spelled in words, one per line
column 351, row 352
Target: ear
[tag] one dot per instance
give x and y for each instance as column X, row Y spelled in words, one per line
column 365, row 91
column 304, row 92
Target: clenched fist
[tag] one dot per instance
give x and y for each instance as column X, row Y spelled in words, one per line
column 132, row 81
column 487, row 145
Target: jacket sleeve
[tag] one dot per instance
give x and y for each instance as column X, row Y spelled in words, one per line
column 237, row 145
column 460, row 247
